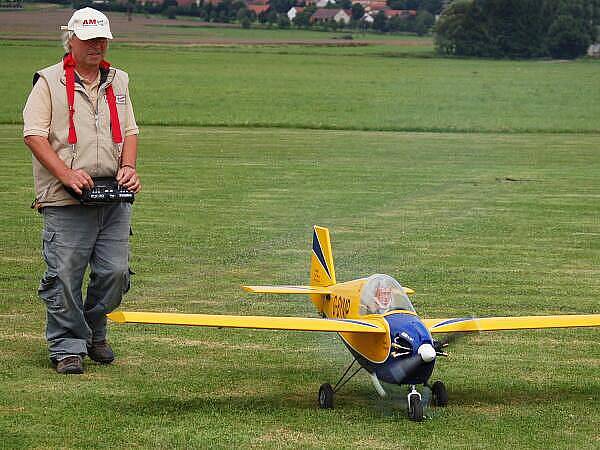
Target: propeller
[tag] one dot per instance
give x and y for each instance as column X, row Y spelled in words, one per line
column 450, row 338
column 404, row 368
column 441, row 344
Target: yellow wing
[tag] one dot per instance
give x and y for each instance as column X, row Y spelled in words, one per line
column 265, row 322
column 468, row 324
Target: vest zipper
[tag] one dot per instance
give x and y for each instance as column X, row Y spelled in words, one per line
column 81, row 89
column 101, row 92
column 97, row 141
column 73, row 149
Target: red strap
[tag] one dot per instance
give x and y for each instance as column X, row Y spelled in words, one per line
column 114, row 115
column 112, row 107
column 69, row 67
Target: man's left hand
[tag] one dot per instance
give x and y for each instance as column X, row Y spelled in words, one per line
column 129, row 179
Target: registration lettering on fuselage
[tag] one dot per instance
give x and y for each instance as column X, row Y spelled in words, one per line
column 340, row 306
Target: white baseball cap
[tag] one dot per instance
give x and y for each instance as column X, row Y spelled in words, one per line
column 88, row 23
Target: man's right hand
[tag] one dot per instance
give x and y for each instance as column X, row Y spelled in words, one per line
column 77, row 180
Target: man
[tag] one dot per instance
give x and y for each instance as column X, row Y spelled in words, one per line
column 79, row 124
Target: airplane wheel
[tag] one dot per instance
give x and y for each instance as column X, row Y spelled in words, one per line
column 439, row 394
column 415, row 408
column 326, row 396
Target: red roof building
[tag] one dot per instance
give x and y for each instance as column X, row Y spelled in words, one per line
column 331, row 15
column 376, row 6
column 402, row 13
column 258, row 9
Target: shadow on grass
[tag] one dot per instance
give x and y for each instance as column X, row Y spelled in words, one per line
column 362, row 400
column 173, row 405
column 150, row 399
column 510, row 395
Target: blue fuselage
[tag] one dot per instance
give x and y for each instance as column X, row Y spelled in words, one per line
column 403, row 364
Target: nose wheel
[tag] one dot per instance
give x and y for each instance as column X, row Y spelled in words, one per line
column 415, row 405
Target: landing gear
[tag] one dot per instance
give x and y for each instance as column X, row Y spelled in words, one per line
column 326, row 391
column 326, row 396
column 439, row 394
column 415, row 405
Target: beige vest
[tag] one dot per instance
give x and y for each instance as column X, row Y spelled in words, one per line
column 94, row 151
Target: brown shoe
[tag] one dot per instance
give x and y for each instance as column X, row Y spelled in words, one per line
column 70, row 364
column 101, row 352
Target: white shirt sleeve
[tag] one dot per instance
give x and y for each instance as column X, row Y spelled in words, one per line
column 37, row 113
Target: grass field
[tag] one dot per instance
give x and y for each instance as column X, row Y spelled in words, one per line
column 249, row 86
column 224, row 205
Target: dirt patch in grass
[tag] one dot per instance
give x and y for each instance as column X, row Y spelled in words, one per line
column 204, row 343
column 285, row 435
column 21, row 336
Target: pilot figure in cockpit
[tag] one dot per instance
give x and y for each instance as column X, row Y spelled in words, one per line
column 380, row 302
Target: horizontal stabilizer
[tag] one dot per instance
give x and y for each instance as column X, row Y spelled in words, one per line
column 298, row 290
column 287, row 289
column 264, row 322
column 469, row 324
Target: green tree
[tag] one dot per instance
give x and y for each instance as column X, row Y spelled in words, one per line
column 404, row 4
column 396, row 24
column 460, row 30
column 207, row 11
column 357, row 11
column 283, row 21
column 423, row 22
column 242, row 14
column 302, row 19
column 281, row 6
column 517, row 28
column 432, row 6
column 171, row 12
column 168, row 3
column 380, row 22
column 269, row 17
column 130, row 8
column 568, row 38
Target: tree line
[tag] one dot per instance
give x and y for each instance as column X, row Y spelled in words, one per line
column 518, row 28
column 236, row 11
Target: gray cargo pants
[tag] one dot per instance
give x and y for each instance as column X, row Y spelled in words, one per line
column 73, row 237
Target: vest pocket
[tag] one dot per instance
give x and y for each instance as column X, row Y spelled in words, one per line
column 65, row 154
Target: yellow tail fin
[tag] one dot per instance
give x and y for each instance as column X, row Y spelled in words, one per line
column 322, row 272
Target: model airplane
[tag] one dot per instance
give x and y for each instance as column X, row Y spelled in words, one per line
column 376, row 321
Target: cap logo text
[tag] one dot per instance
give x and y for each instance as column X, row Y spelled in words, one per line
column 92, row 22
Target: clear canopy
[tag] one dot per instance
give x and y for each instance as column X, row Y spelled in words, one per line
column 382, row 293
